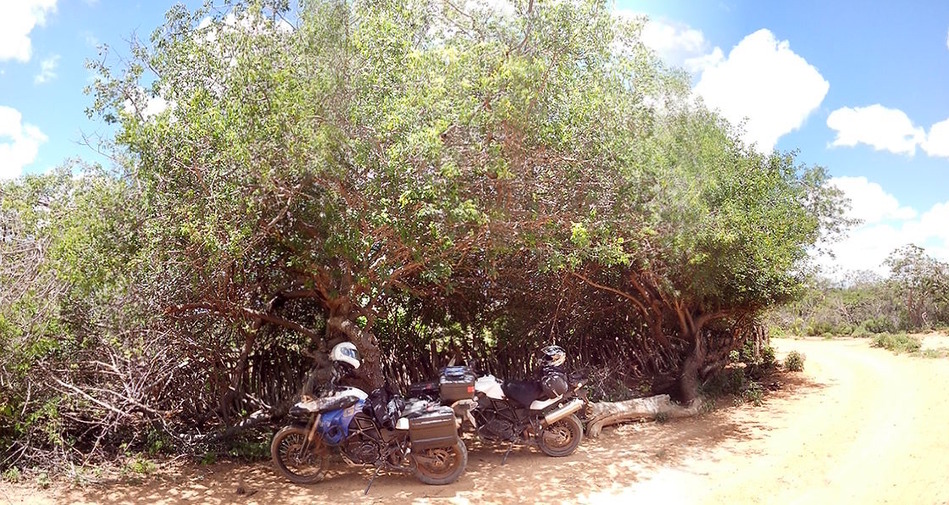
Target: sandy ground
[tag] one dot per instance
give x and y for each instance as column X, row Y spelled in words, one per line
column 859, row 425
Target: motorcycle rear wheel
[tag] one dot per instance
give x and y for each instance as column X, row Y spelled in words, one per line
column 441, row 465
column 562, row 437
column 296, row 460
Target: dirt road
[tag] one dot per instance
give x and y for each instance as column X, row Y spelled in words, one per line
column 859, row 425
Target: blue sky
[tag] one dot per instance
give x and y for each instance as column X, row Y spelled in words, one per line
column 861, row 88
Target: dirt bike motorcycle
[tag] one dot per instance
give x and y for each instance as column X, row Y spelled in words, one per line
column 378, row 429
column 542, row 412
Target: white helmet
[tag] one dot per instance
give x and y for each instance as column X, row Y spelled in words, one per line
column 552, row 355
column 345, row 352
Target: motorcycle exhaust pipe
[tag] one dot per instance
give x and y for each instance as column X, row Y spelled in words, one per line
column 556, row 415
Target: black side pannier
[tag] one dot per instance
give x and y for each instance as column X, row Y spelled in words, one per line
column 433, row 429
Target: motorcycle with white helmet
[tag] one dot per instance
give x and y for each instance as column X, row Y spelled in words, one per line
column 379, row 429
column 541, row 411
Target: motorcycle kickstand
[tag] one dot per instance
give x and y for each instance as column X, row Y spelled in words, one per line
column 374, row 475
column 507, row 453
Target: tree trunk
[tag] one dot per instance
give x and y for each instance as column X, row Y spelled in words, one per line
column 236, row 389
column 689, row 376
column 653, row 407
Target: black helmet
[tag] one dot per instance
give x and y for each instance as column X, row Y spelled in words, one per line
column 552, row 355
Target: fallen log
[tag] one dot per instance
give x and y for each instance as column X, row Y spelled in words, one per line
column 608, row 413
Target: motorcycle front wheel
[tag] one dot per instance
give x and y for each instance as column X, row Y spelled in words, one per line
column 297, row 460
column 441, row 465
column 562, row 437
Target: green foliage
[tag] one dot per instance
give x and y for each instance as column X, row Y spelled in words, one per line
column 898, row 342
column 12, row 475
column 794, row 361
column 253, row 447
column 730, row 381
column 417, row 178
column 912, row 298
column 753, row 394
column 157, row 443
column 734, row 382
column 768, row 359
column 924, row 283
column 935, row 353
column 877, row 325
column 139, row 465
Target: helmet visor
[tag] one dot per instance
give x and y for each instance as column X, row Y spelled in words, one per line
column 350, row 352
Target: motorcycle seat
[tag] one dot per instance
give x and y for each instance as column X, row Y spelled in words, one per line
column 523, row 392
column 321, row 405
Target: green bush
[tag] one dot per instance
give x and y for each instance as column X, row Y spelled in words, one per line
column 878, row 325
column 935, row 353
column 140, row 466
column 798, row 327
column 753, row 394
column 768, row 360
column 777, row 331
column 12, row 474
column 819, row 328
column 898, row 342
column 794, row 362
column 730, row 381
column 861, row 332
column 250, row 450
column 844, row 329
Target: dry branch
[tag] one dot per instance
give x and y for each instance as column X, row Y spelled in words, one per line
column 607, row 413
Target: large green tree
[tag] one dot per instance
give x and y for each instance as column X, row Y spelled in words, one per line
column 375, row 147
column 406, row 175
column 923, row 281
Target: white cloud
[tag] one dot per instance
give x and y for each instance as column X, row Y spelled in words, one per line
column 868, row 201
column 887, row 129
column 244, row 22
column 865, row 248
column 932, row 224
column 673, row 42
column 154, row 105
column 677, row 44
column 19, row 143
column 699, row 63
column 90, row 39
column 18, row 19
column 880, row 127
column 937, row 142
column 503, row 7
column 887, row 226
column 764, row 81
column 145, row 105
column 47, row 70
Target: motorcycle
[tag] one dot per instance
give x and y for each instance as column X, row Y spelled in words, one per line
column 378, row 429
column 542, row 412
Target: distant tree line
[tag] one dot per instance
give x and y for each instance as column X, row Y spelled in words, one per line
column 913, row 297
column 426, row 180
